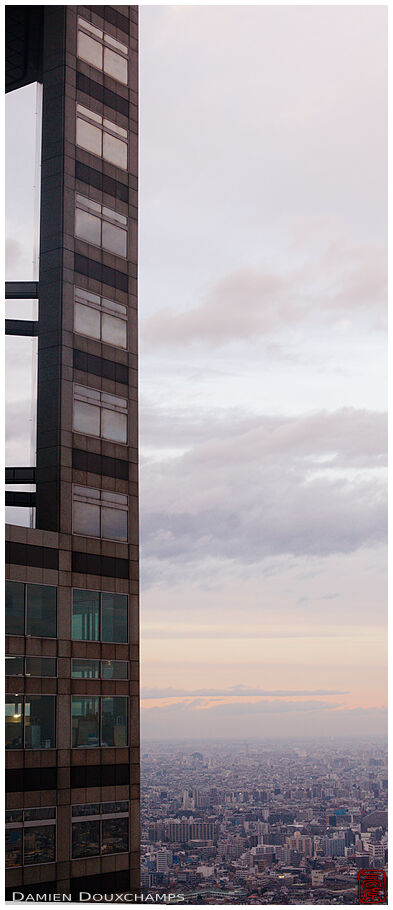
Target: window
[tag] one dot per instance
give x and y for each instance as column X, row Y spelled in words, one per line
column 31, row 666
column 99, row 616
column 30, row 609
column 102, row 51
column 99, row 721
column 100, row 513
column 98, row 317
column 30, row 721
column 96, row 669
column 100, row 414
column 100, row 136
column 100, row 829
column 101, row 226
column 30, row 837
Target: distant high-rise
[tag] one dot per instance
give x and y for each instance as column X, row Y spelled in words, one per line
column 72, row 608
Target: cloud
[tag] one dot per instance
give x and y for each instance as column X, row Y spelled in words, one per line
column 262, row 486
column 252, row 303
column 237, row 691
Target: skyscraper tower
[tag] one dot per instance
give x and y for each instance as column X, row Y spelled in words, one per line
column 72, row 593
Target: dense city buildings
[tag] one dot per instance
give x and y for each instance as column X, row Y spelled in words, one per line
column 71, row 609
column 263, row 823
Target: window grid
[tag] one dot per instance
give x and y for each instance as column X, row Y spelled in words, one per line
column 101, row 594
column 23, row 824
column 105, row 502
column 101, row 137
column 103, row 402
column 100, row 666
column 100, row 700
column 28, row 585
column 100, row 313
column 101, row 226
column 29, row 659
column 30, row 699
column 100, row 50
column 103, row 813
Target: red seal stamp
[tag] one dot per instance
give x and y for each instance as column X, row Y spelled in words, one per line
column 372, row 886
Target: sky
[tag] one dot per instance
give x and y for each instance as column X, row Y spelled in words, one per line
column 262, row 294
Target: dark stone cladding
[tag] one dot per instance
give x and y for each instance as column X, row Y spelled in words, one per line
column 20, row 498
column 101, row 181
column 99, row 272
column 20, row 475
column 99, row 366
column 93, row 564
column 20, row 780
column 23, row 554
column 113, row 16
column 99, row 464
column 102, row 94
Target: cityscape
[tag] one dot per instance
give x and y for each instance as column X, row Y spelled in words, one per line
column 262, row 822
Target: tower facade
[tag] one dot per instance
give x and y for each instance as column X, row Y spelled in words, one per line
column 72, row 592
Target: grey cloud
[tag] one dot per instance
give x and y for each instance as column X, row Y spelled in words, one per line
column 234, row 691
column 262, row 490
column 251, row 303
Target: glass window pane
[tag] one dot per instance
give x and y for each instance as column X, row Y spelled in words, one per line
column 86, row 669
column 87, row 227
column 40, row 721
column 86, row 809
column 86, row 519
column 114, row 721
column 41, row 666
column 85, row 839
column 90, row 50
column 115, row 150
column 110, row 808
column 13, row 815
column 88, row 136
column 114, row 239
column 86, row 418
column 115, row 835
column 114, row 617
column 114, row 669
column 14, row 721
column 115, row 65
column 114, row 425
column 13, row 847
column 87, row 321
column 86, row 615
column 14, row 608
column 114, row 331
column 33, row 815
column 13, row 666
column 39, row 844
column 41, row 611
column 85, row 732
column 114, row 523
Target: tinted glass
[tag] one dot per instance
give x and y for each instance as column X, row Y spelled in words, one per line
column 86, row 519
column 14, row 721
column 13, row 847
column 110, row 808
column 85, row 726
column 14, row 666
column 114, row 617
column 114, row 239
column 114, row 669
column 115, row 150
column 86, row 615
column 14, row 608
column 114, row 523
column 39, row 845
column 41, row 611
column 114, row 721
column 41, row 666
column 33, row 815
column 85, row 839
column 114, row 425
column 40, row 721
column 89, row 137
column 114, row 835
column 13, row 815
column 86, row 669
column 87, row 321
column 87, row 809
column 115, row 66
column 114, row 331
column 89, row 50
column 88, row 227
column 86, row 418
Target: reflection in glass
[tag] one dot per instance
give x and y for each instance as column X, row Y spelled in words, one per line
column 87, row 227
column 40, row 722
column 115, row 66
column 88, row 136
column 41, row 666
column 115, row 150
column 86, row 809
column 14, row 721
column 114, row 835
column 13, row 666
column 14, row 608
column 114, row 619
column 13, row 847
column 89, row 50
column 39, row 844
column 114, row 669
column 114, row 331
column 114, row 721
column 85, row 839
column 114, row 523
column 41, row 611
column 13, row 815
column 86, row 615
column 33, row 815
column 110, row 808
column 86, row 418
column 86, row 518
column 86, row 669
column 85, row 726
column 114, row 239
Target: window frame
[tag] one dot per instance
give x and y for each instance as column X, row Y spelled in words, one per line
column 26, row 634
column 103, row 306
column 104, row 125
column 105, row 215
column 100, row 593
column 100, row 662
column 100, row 817
column 37, row 823
column 107, row 42
column 97, row 399
column 28, row 695
column 102, row 503
column 101, row 744
column 25, row 658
